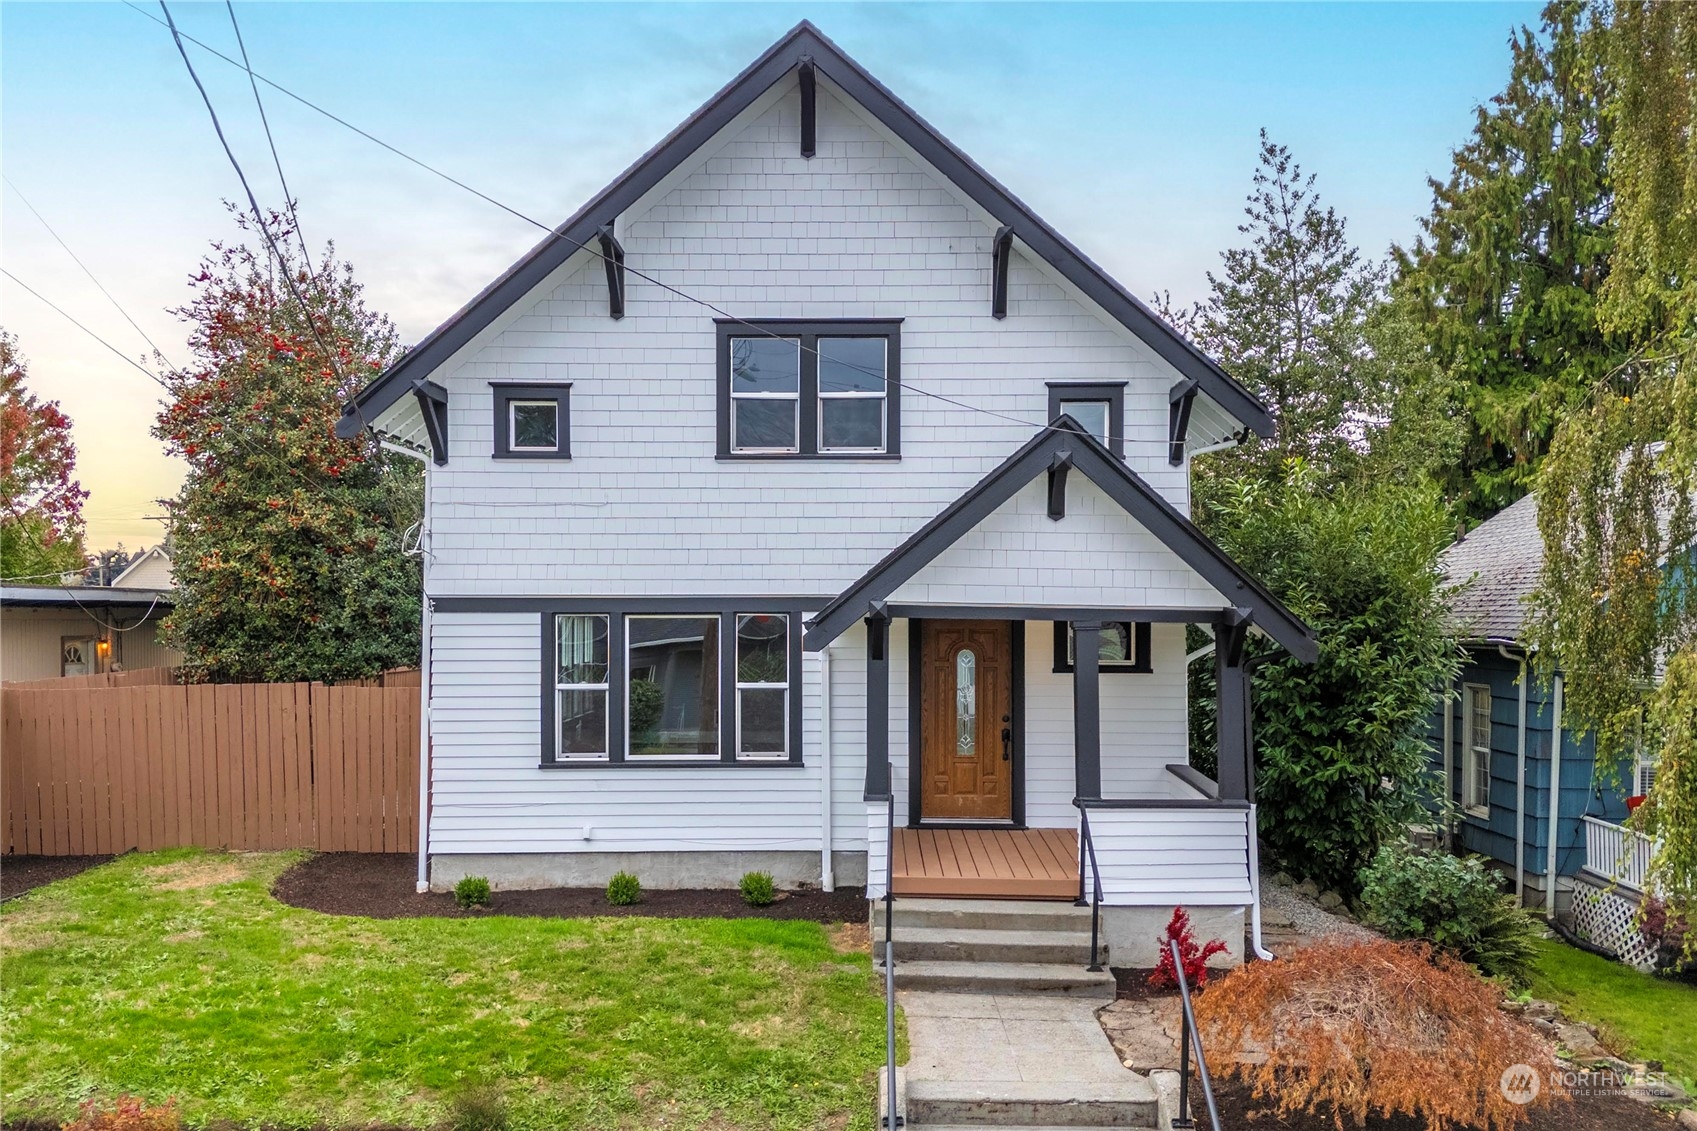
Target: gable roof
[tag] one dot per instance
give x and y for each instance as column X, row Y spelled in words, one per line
column 1498, row 563
column 140, row 568
column 804, row 43
column 1068, row 441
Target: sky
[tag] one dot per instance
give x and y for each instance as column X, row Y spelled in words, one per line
column 1132, row 128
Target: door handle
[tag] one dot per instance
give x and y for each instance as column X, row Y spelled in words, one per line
column 1007, row 743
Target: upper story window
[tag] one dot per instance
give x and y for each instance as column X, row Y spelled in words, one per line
column 791, row 389
column 532, row 421
column 1097, row 405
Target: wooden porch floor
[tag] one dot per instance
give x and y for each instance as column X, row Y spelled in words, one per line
column 1010, row 863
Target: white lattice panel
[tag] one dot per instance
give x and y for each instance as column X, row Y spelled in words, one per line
column 1610, row 920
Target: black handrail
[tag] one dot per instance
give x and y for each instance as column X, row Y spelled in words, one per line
column 1187, row 1036
column 1089, row 847
column 891, row 1120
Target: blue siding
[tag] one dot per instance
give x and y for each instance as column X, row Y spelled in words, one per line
column 1583, row 789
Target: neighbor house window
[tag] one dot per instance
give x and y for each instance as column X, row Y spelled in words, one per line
column 672, row 686
column 580, row 686
column 763, row 685
column 1098, row 406
column 1124, row 647
column 532, row 421
column 809, row 389
column 1476, row 748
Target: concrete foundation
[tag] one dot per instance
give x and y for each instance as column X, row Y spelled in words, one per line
column 1134, row 934
column 517, row 871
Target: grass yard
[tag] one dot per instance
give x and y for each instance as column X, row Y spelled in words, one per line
column 1652, row 1018
column 176, row 974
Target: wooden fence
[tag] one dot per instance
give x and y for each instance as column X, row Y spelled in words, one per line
column 165, row 677
column 242, row 766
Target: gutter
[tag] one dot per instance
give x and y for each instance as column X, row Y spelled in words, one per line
column 1519, row 783
column 1550, row 876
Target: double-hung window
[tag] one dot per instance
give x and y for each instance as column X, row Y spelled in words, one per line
column 823, row 390
column 671, row 685
column 1476, row 747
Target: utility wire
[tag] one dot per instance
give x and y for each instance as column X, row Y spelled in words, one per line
column 85, row 270
column 288, row 197
column 155, row 378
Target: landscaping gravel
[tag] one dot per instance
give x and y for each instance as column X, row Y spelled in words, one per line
column 1283, row 904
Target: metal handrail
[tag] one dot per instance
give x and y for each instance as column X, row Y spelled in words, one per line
column 891, row 1120
column 1089, row 851
column 1187, row 1036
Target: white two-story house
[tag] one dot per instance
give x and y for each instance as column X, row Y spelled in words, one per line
column 803, row 474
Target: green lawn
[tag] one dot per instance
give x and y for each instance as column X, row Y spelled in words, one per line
column 176, row 974
column 1651, row 1018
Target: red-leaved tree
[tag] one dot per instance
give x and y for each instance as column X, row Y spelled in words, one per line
column 41, row 523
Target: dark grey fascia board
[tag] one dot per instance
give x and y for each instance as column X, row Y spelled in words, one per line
column 1120, row 483
column 804, row 43
column 1195, row 779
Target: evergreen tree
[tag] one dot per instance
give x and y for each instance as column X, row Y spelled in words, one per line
column 286, row 540
column 1507, row 271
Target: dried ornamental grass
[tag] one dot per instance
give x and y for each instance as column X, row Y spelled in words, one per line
column 1376, row 1026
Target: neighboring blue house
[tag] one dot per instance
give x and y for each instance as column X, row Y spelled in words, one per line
column 1495, row 745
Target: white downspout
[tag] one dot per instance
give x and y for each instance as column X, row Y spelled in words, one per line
column 423, row 884
column 827, row 877
column 1449, row 754
column 1519, row 786
column 1261, row 952
column 1555, row 808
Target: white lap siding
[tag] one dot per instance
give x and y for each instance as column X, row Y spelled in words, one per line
column 1162, row 857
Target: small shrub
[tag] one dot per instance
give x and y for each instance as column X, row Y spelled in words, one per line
column 1668, row 933
column 1342, row 1028
column 472, row 891
column 757, row 889
column 1195, row 958
column 1456, row 905
column 481, row 1107
column 127, row 1113
column 623, row 889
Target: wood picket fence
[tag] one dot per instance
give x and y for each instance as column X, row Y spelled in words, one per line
column 99, row 769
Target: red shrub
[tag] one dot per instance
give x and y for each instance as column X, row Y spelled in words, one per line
column 127, row 1113
column 1195, row 958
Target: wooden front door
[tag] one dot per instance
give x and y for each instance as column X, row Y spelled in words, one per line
column 966, row 720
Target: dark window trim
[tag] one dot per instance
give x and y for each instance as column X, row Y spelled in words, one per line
column 726, row 610
column 1060, row 392
column 1142, row 660
column 916, row 730
column 807, row 425
column 505, row 392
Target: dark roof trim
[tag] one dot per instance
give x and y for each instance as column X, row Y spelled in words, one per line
column 805, row 43
column 81, row 597
column 1120, row 483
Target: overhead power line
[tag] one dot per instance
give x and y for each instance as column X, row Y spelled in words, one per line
column 288, row 197
column 151, row 376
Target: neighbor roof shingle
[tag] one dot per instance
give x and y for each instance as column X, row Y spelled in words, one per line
column 1502, row 557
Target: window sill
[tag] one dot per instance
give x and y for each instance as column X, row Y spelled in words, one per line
column 561, row 456
column 676, row 764
column 790, row 457
column 1477, row 812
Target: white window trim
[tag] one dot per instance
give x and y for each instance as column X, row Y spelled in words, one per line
column 793, row 397
column 625, row 675
column 604, row 687
column 513, row 430
column 1470, row 754
column 882, row 396
column 1639, row 767
column 783, row 754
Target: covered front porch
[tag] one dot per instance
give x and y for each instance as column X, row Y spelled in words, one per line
column 993, row 863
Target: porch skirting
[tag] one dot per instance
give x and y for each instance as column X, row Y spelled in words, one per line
column 518, row 871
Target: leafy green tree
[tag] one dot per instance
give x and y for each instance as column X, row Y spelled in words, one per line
column 41, row 523
column 287, row 540
column 1507, row 272
column 1616, row 606
column 1340, row 747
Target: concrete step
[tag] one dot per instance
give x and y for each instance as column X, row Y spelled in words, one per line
column 952, row 944
column 983, row 915
column 1128, row 1103
column 1004, row 978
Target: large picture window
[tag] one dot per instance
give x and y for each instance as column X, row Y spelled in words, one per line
column 672, row 686
column 580, row 686
column 827, row 390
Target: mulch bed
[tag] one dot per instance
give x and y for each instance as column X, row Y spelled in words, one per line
column 382, row 886
column 19, row 874
column 1131, row 983
column 1605, row 1112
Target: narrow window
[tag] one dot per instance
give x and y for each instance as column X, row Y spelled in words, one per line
column 1476, row 755
column 763, row 685
column 966, row 703
column 852, row 394
column 765, row 394
column 533, row 426
column 672, row 686
column 580, row 686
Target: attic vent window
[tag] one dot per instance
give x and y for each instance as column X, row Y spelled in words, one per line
column 791, row 389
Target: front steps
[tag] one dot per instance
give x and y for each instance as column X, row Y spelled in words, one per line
column 1001, row 1018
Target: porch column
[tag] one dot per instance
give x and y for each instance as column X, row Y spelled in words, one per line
column 1087, row 708
column 878, row 706
column 1232, row 713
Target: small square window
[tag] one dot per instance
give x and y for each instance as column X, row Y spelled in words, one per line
column 1097, row 406
column 532, row 421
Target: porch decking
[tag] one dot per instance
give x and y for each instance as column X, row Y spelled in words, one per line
column 1009, row 863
